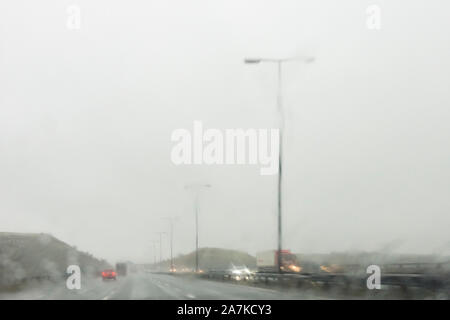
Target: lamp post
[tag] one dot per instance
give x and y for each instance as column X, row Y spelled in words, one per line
column 154, row 253
column 171, row 221
column 160, row 247
column 196, row 188
column 279, row 63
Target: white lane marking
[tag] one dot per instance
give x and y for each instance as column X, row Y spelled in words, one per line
column 249, row 287
column 168, row 292
column 107, row 297
column 190, row 296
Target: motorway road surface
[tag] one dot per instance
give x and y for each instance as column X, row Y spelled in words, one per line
column 156, row 286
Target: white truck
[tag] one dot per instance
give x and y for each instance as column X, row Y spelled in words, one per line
column 267, row 261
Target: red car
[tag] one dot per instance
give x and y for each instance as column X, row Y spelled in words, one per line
column 109, row 274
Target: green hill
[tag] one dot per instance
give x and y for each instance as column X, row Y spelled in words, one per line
column 29, row 256
column 211, row 259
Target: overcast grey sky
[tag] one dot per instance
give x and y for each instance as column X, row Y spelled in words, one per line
column 86, row 118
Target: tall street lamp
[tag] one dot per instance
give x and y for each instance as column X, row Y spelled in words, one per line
column 160, row 247
column 171, row 221
column 279, row 63
column 196, row 188
column 154, row 252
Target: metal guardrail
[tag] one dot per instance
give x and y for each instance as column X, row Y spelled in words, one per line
column 344, row 280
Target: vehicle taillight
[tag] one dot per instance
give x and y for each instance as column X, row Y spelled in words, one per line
column 103, row 273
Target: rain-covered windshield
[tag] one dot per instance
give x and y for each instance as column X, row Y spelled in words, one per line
column 224, row 149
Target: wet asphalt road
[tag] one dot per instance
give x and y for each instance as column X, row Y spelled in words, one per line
column 156, row 286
